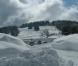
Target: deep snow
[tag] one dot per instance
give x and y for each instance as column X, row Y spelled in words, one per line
column 63, row 51
column 67, row 47
column 14, row 52
column 69, row 42
column 11, row 46
column 26, row 33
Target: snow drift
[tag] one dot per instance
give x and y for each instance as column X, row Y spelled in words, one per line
column 10, row 45
column 67, row 43
column 5, row 38
column 14, row 52
column 42, row 56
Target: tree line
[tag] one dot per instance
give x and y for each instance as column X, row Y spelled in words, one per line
column 36, row 23
column 12, row 30
column 65, row 26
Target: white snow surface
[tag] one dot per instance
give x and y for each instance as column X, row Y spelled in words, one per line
column 7, row 41
column 67, row 47
column 14, row 52
column 69, row 42
column 10, row 46
column 26, row 33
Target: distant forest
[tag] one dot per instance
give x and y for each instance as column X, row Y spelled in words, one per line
column 65, row 26
column 12, row 30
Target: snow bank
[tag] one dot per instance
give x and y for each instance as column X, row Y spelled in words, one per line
column 7, row 39
column 10, row 45
column 14, row 52
column 67, row 43
column 34, row 57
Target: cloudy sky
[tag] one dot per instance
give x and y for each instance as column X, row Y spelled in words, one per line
column 16, row 12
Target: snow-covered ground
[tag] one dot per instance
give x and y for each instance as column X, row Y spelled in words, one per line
column 62, row 51
column 26, row 33
column 14, row 52
column 69, row 55
column 67, row 47
column 10, row 45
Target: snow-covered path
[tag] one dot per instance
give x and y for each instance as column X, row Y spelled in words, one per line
column 69, row 55
column 67, row 47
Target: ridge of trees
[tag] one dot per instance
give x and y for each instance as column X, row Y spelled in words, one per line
column 37, row 23
column 65, row 26
column 12, row 30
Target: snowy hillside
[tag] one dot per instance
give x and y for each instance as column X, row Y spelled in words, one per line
column 38, row 32
column 66, row 46
column 60, row 51
column 28, row 35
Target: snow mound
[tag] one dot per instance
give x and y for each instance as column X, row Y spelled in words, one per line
column 11, row 39
column 10, row 46
column 14, row 52
column 67, row 43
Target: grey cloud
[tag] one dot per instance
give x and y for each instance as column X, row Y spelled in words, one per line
column 16, row 12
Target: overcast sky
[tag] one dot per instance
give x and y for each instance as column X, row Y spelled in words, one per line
column 16, row 12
